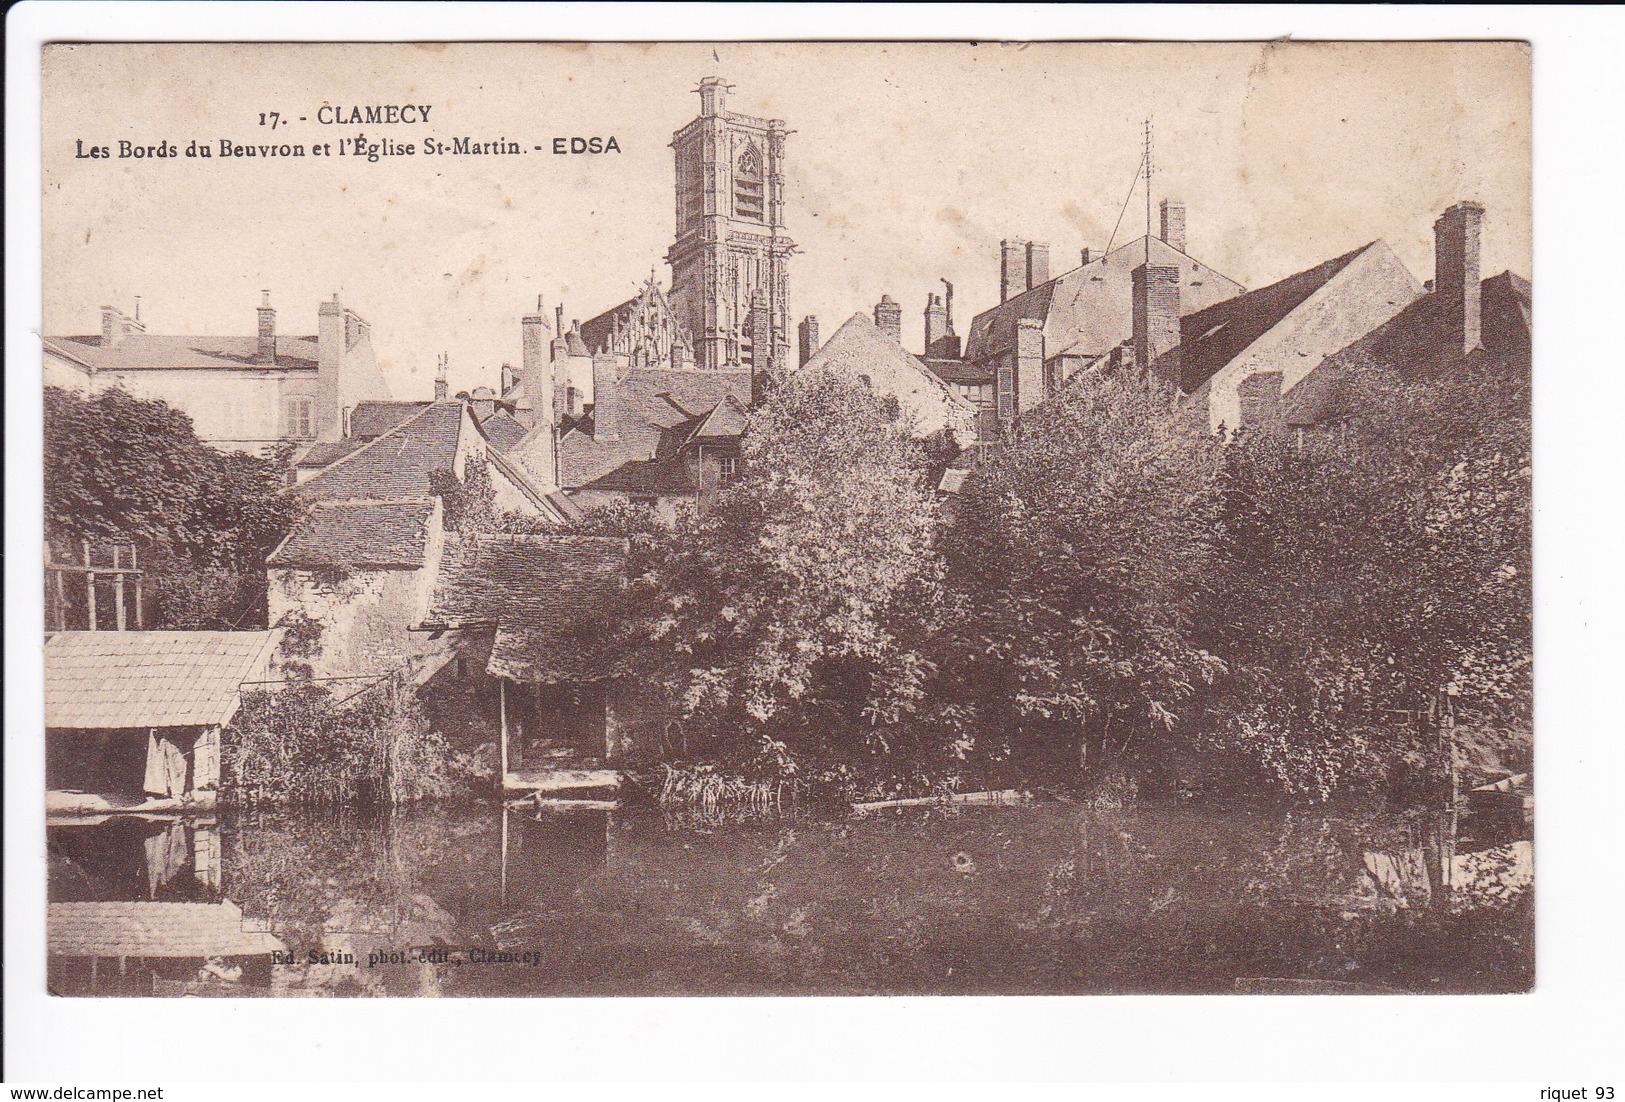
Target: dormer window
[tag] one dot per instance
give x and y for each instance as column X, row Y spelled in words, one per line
column 748, row 190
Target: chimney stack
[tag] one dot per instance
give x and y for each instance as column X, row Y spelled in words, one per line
column 889, row 318
column 808, row 333
column 1084, row 255
column 606, row 413
column 534, row 344
column 1156, row 321
column 761, row 345
column 1029, row 363
column 1456, row 273
column 1037, row 264
column 331, row 346
column 936, row 324
column 116, row 326
column 440, row 377
column 1012, row 269
column 1173, row 224
column 265, row 348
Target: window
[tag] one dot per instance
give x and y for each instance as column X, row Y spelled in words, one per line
column 300, row 418
column 727, row 469
column 748, row 194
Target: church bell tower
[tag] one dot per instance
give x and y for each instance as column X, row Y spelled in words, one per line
column 731, row 244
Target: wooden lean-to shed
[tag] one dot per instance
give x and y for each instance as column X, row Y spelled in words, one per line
column 133, row 718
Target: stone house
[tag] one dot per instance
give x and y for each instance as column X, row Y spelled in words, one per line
column 243, row 393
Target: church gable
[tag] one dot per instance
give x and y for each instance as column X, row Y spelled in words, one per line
column 643, row 329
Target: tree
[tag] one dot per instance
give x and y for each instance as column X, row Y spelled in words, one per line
column 1081, row 552
column 1376, row 580
column 128, row 470
column 790, row 619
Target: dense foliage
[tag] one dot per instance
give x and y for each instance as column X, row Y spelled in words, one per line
column 1081, row 553
column 120, row 469
column 793, row 620
column 302, row 744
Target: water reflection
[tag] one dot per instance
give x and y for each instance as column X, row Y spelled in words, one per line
column 1051, row 898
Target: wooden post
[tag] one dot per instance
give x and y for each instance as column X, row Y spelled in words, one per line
column 502, row 706
column 118, row 590
column 503, row 811
column 133, row 566
column 90, row 585
column 61, row 602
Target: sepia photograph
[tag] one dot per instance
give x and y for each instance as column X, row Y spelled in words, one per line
column 787, row 519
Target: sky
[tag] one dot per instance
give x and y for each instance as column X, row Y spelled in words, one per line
column 907, row 163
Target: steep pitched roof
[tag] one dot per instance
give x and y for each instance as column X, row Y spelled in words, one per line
column 1419, row 341
column 1088, row 310
column 153, row 930
column 859, row 346
column 324, row 453
column 544, row 595
column 358, row 533
column 657, row 409
column 150, row 678
column 726, row 422
column 370, row 420
column 1213, row 337
column 149, row 351
column 503, row 430
column 398, row 463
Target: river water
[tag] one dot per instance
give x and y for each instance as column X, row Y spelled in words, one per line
column 1048, row 898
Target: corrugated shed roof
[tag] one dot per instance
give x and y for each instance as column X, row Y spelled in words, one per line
column 101, row 679
column 148, row 351
column 503, row 430
column 657, row 410
column 398, row 463
column 370, row 420
column 153, row 930
column 358, row 533
column 545, row 595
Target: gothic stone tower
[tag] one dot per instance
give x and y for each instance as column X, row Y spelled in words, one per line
column 730, row 234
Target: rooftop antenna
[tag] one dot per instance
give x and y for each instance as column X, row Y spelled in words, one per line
column 1148, row 189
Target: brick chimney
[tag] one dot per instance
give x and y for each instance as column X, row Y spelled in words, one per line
column 1012, row 269
column 807, row 331
column 606, row 411
column 1029, row 363
column 116, row 326
column 1455, row 273
column 265, row 347
column 1083, row 255
column 889, row 318
column 1173, row 224
column 331, row 346
column 1156, row 321
column 761, row 345
column 440, row 388
column 936, row 324
column 1037, row 264
column 534, row 355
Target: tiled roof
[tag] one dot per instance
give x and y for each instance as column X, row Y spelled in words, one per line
column 144, row 351
column 1211, row 338
column 358, row 533
column 1089, row 310
column 370, row 420
column 958, row 372
column 726, row 422
column 149, row 678
column 657, row 410
column 323, row 453
column 398, row 463
column 1418, row 341
column 545, row 595
column 860, row 347
column 503, row 430
column 153, row 930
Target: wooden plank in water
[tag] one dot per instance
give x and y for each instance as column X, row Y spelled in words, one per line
column 562, row 780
